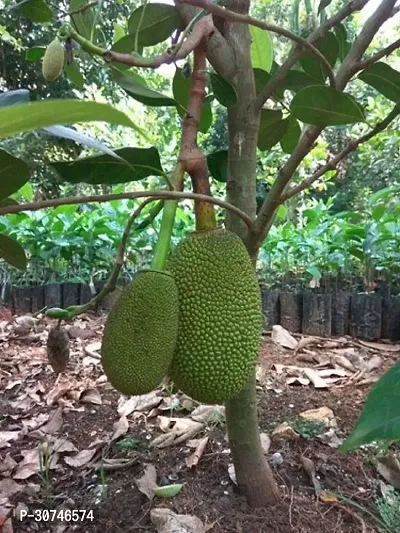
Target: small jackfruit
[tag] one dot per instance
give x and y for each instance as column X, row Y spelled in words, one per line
column 220, row 317
column 140, row 333
column 53, row 60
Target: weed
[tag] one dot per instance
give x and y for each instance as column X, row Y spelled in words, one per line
column 308, row 429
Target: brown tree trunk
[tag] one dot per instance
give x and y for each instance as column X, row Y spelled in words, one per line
column 254, row 476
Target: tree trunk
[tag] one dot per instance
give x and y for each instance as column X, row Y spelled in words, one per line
column 254, row 476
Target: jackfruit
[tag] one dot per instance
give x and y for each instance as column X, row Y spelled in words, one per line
column 220, row 317
column 140, row 333
column 53, row 60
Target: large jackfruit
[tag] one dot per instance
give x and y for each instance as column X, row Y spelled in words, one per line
column 140, row 333
column 220, row 318
column 53, row 60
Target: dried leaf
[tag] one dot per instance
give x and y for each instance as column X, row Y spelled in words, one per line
column 282, row 337
column 120, row 428
column 298, row 381
column 327, row 497
column 265, row 442
column 7, row 436
column 182, row 429
column 381, row 346
column 315, row 379
column 194, row 458
column 91, row 395
column 148, row 482
column 309, row 468
column 63, row 445
column 7, row 466
column 284, row 432
column 55, row 422
column 93, row 349
column 305, row 341
column 374, row 363
column 143, row 402
column 389, row 468
column 232, row 473
column 59, row 390
column 9, row 487
column 166, row 521
column 82, row 458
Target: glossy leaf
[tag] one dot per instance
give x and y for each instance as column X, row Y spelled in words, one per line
column 35, row 53
column 291, row 136
column 158, row 23
column 13, row 174
column 180, row 89
column 12, row 252
column 18, row 96
column 380, row 417
column 272, row 128
column 296, row 80
column 84, row 20
column 119, row 32
column 223, row 91
column 312, row 66
column 217, row 163
column 324, row 106
column 74, row 74
column 134, row 86
column 341, row 36
column 81, row 138
column 35, row 115
column 36, row 10
column 384, row 79
column 261, row 49
column 136, row 164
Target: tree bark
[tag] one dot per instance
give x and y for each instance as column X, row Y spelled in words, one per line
column 254, row 476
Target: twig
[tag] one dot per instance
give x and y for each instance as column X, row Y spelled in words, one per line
column 231, row 16
column 159, row 195
column 351, row 147
column 379, row 55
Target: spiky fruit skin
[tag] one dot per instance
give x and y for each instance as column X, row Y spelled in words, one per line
column 140, row 333
column 53, row 60
column 220, row 318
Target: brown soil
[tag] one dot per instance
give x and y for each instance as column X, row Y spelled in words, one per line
column 208, row 493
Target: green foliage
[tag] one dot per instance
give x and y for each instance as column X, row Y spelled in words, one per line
column 181, row 88
column 312, row 66
column 14, row 173
column 12, row 252
column 307, row 428
column 36, row 10
column 384, row 79
column 380, row 418
column 137, row 88
column 217, row 163
column 223, row 91
column 154, row 23
column 388, row 506
column 261, row 49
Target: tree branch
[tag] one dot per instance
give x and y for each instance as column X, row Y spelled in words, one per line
column 379, row 55
column 351, row 147
column 246, row 19
column 158, row 195
column 298, row 51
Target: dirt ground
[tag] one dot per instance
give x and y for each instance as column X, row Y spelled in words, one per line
column 73, row 443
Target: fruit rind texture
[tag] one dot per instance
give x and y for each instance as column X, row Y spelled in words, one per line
column 220, row 316
column 140, row 334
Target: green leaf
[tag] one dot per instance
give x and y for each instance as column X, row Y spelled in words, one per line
column 323, row 4
column 341, row 36
column 74, row 74
column 14, row 97
column 384, row 79
column 296, row 80
column 291, row 137
column 217, row 163
column 36, row 10
column 119, row 32
column 223, row 91
column 168, row 491
column 329, row 47
column 378, row 212
column 83, row 21
column 12, row 252
column 380, row 417
column 180, row 89
column 13, row 174
column 261, row 49
column 35, row 115
column 272, row 128
column 324, row 106
column 159, row 22
column 137, row 164
column 133, row 85
column 35, row 53
column 25, row 192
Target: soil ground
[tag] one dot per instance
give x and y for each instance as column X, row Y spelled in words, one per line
column 87, row 412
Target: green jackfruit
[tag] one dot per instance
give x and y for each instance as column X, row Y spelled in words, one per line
column 140, row 333
column 53, row 60
column 220, row 318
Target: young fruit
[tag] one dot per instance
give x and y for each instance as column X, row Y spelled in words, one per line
column 53, row 60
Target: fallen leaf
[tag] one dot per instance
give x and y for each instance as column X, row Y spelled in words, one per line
column 91, row 395
column 93, row 349
column 374, row 363
column 305, row 341
column 282, row 337
column 322, row 414
column 265, row 442
column 55, row 422
column 166, row 521
column 58, row 391
column 168, row 491
column 82, row 458
column 7, row 466
column 232, row 473
column 120, row 427
column 194, row 458
column 309, row 468
column 9, row 487
column 327, row 497
column 315, row 379
column 148, row 482
column 380, row 346
column 284, row 432
column 63, row 445
column 177, row 430
column 298, row 381
column 389, row 468
column 7, row 436
column 143, row 402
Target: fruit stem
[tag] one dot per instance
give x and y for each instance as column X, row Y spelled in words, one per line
column 167, row 223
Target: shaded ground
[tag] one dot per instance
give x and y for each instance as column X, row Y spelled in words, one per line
column 97, row 445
